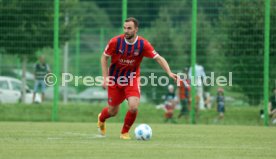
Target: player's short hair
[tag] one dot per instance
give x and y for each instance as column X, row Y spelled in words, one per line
column 134, row 20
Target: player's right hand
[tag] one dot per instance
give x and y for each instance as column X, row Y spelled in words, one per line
column 104, row 86
column 105, row 83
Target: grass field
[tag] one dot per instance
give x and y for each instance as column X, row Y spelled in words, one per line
column 81, row 112
column 33, row 140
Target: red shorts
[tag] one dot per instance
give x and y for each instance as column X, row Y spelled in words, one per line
column 117, row 94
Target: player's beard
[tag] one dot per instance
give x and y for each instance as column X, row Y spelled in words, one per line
column 129, row 36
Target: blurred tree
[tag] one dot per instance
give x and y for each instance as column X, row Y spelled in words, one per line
column 112, row 8
column 145, row 11
column 27, row 26
column 211, row 9
column 93, row 16
column 272, row 72
column 204, row 36
column 93, row 19
column 243, row 44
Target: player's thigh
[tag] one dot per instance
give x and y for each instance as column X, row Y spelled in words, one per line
column 133, row 95
column 132, row 90
column 115, row 96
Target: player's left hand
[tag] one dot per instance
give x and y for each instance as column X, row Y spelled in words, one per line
column 173, row 76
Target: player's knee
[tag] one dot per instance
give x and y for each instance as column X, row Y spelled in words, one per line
column 112, row 111
column 133, row 109
column 133, row 105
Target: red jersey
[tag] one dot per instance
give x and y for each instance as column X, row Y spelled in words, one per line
column 126, row 57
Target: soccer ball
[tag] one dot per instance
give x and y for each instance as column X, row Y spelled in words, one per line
column 143, row 132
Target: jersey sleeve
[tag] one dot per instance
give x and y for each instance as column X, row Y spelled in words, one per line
column 149, row 51
column 110, row 47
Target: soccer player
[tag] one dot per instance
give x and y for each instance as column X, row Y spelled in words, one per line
column 122, row 78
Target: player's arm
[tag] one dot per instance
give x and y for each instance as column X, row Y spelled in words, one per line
column 104, row 64
column 151, row 53
column 108, row 52
column 164, row 64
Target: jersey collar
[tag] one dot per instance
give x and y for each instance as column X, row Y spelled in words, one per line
column 131, row 43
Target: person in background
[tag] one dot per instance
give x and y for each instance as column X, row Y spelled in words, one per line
column 41, row 69
column 220, row 103
column 184, row 96
column 170, row 104
column 207, row 100
column 199, row 76
column 272, row 106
